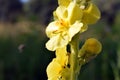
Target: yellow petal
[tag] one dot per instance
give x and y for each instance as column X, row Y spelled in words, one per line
column 91, row 14
column 56, row 27
column 53, row 78
column 61, row 13
column 51, row 28
column 53, row 69
column 65, row 73
column 57, row 41
column 84, row 28
column 64, row 2
column 62, row 56
column 74, row 13
column 55, row 15
column 75, row 28
column 57, row 77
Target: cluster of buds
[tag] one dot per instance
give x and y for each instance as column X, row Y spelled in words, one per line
column 71, row 18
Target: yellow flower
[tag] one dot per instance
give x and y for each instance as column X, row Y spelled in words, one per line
column 58, row 69
column 67, row 24
column 70, row 18
column 54, row 69
column 62, row 56
column 91, row 14
column 61, row 37
column 71, row 13
column 56, row 66
column 63, row 75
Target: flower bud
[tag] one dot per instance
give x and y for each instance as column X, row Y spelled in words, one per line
column 92, row 46
column 89, row 50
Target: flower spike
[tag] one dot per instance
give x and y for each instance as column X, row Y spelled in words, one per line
column 71, row 18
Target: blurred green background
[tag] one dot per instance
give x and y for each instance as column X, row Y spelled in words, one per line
column 23, row 55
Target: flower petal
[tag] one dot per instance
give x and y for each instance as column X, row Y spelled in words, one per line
column 61, row 13
column 64, row 2
column 61, row 56
column 51, row 28
column 53, row 78
column 75, row 28
column 74, row 13
column 53, row 69
column 57, row 41
column 91, row 14
column 84, row 28
column 65, row 73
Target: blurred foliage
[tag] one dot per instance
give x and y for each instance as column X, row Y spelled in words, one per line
column 23, row 55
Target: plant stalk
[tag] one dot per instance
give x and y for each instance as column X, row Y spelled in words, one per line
column 74, row 57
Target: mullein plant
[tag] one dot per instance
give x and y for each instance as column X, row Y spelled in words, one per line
column 71, row 18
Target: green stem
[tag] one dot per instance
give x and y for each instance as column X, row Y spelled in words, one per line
column 74, row 57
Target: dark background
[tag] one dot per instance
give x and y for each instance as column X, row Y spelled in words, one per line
column 23, row 55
